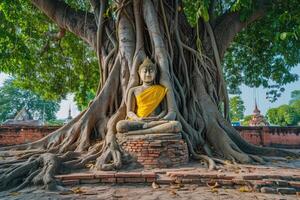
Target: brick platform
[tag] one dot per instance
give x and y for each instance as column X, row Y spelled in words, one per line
column 156, row 150
column 255, row 178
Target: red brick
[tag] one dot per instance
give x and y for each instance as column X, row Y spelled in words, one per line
column 90, row 181
column 128, row 174
column 150, row 180
column 295, row 184
column 77, row 176
column 108, row 180
column 105, row 174
column 148, row 174
column 120, row 180
column 134, row 180
column 70, row 182
column 253, row 177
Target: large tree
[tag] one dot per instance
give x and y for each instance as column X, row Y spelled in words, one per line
column 123, row 33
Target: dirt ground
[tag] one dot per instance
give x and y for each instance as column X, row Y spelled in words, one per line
column 142, row 192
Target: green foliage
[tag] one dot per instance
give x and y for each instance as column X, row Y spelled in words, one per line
column 295, row 95
column 286, row 114
column 237, row 108
column 50, row 68
column 55, row 122
column 196, row 9
column 264, row 53
column 13, row 99
column 246, row 120
column 261, row 55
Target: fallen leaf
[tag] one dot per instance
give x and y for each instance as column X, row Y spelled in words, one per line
column 155, row 185
column 173, row 192
column 289, row 158
column 90, row 166
column 14, row 193
column 245, row 189
column 214, row 190
column 78, row 190
column 227, row 162
column 213, row 185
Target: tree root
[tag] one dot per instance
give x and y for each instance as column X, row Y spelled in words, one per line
column 37, row 170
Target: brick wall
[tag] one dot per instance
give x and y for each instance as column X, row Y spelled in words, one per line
column 11, row 135
column 288, row 137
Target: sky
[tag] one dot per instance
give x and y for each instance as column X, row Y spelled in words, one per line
column 248, row 96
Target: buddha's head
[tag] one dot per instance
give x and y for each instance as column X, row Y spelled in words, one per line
column 147, row 71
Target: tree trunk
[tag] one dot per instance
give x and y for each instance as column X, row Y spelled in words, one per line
column 196, row 92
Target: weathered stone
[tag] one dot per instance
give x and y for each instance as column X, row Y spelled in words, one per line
column 268, row 190
column 90, row 181
column 286, row 190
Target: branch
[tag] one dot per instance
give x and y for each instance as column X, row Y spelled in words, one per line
column 229, row 25
column 79, row 22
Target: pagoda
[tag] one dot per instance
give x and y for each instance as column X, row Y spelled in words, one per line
column 257, row 118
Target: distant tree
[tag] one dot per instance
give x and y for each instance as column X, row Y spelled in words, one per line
column 295, row 95
column 296, row 106
column 237, row 108
column 284, row 115
column 13, row 99
column 246, row 120
column 55, row 122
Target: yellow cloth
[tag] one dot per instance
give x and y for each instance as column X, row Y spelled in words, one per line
column 149, row 99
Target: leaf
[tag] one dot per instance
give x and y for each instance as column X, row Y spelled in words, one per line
column 14, row 193
column 78, row 190
column 90, row 166
column 227, row 162
column 283, row 36
column 214, row 190
column 245, row 189
column 155, row 185
column 173, row 192
column 213, row 185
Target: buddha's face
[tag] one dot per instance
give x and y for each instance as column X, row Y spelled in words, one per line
column 148, row 74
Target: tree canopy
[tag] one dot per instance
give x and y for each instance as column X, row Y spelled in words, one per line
column 53, row 62
column 13, row 99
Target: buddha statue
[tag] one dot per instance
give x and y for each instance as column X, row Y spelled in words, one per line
column 147, row 110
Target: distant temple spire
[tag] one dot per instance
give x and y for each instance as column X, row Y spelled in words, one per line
column 257, row 118
column 69, row 116
column 256, row 110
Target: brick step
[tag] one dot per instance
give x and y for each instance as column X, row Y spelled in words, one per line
column 259, row 183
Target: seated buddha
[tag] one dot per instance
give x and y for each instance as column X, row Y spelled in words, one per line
column 147, row 110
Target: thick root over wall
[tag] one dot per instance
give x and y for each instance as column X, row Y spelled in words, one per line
column 196, row 91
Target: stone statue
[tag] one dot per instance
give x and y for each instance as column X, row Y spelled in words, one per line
column 147, row 106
